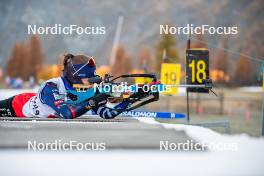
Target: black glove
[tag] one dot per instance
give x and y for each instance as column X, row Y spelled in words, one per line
column 98, row 100
column 107, row 113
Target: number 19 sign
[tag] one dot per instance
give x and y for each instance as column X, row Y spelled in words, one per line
column 170, row 74
column 197, row 68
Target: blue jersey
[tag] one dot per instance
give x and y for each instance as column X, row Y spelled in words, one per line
column 51, row 101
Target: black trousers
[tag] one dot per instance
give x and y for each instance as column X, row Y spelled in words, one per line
column 6, row 109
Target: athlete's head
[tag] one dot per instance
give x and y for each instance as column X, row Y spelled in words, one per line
column 78, row 68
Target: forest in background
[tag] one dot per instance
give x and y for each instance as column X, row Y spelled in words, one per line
column 27, row 60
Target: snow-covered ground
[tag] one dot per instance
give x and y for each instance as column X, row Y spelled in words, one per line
column 246, row 159
column 256, row 89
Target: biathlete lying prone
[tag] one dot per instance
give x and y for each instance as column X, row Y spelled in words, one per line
column 51, row 99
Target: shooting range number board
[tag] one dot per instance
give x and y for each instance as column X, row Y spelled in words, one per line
column 171, row 74
column 197, row 68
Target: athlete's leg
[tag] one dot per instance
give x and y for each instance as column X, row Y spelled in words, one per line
column 6, row 109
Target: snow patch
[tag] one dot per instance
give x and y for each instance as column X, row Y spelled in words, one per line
column 207, row 135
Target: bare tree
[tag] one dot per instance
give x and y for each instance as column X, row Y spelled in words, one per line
column 26, row 59
column 36, row 57
column 243, row 72
column 122, row 64
column 14, row 63
column 199, row 41
column 146, row 61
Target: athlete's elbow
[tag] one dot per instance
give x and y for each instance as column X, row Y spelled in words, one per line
column 68, row 113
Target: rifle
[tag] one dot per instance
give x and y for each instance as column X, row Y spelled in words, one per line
column 136, row 99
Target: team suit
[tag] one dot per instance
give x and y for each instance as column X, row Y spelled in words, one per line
column 51, row 101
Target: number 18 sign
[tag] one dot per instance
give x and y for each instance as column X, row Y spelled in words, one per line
column 197, row 68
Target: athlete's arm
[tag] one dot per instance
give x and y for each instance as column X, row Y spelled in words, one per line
column 50, row 96
column 110, row 113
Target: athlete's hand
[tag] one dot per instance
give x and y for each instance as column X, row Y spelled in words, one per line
column 115, row 99
column 98, row 100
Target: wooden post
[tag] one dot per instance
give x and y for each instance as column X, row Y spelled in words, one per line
column 187, row 91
